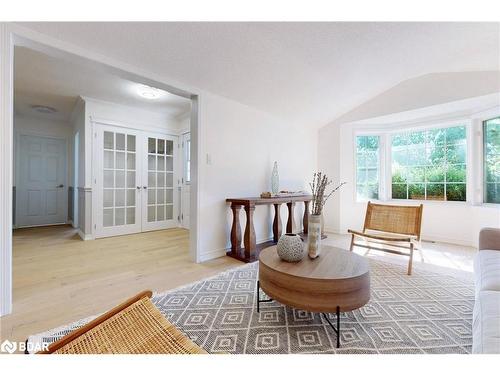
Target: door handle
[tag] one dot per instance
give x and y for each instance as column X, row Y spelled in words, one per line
column 138, row 188
column 144, row 187
column 60, row 186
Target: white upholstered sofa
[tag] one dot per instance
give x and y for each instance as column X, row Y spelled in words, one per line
column 486, row 316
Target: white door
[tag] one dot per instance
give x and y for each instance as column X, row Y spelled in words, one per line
column 41, row 194
column 159, row 200
column 117, row 156
column 186, row 180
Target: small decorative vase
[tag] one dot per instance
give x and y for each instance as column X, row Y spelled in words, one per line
column 314, row 236
column 290, row 248
column 275, row 180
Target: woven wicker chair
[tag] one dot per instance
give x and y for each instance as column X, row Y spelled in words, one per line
column 134, row 327
column 391, row 228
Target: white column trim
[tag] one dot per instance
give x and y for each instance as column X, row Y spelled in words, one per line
column 6, row 136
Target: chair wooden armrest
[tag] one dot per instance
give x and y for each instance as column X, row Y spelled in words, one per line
column 380, row 237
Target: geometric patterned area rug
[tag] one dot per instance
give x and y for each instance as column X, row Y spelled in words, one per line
column 423, row 313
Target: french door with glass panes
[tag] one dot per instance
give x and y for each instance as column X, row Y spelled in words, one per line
column 134, row 180
column 158, row 201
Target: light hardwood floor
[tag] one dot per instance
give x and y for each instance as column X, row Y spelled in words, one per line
column 58, row 278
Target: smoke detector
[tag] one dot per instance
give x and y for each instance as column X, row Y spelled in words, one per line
column 44, row 109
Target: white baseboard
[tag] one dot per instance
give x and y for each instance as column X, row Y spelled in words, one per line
column 83, row 236
column 212, row 255
column 425, row 238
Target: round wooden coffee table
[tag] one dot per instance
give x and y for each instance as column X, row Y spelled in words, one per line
column 338, row 280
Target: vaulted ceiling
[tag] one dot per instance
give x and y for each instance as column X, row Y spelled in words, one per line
column 310, row 73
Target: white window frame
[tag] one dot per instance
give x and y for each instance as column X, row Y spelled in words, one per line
column 479, row 179
column 381, row 164
column 440, row 125
column 473, row 149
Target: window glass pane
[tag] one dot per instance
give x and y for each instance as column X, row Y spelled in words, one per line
column 367, row 167
column 131, row 197
column 131, row 161
column 120, row 141
column 170, row 164
column 130, row 215
column 108, row 198
column 160, row 182
column 161, row 196
column 130, row 179
column 152, row 179
column 120, row 160
column 169, row 198
column 152, row 145
column 108, row 179
column 456, row 173
column 435, row 192
column 161, row 163
column 119, row 216
column 119, row 179
column 119, row 197
column 161, row 146
column 170, row 180
column 109, row 161
column 160, row 213
column 170, row 148
column 130, row 142
column 107, row 217
column 152, row 162
column 151, row 196
column 425, row 163
column 170, row 212
column 491, row 142
column 108, row 140
column 455, row 192
column 399, row 191
column 416, row 191
column 151, row 213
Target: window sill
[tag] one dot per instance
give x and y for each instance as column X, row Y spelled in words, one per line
column 429, row 202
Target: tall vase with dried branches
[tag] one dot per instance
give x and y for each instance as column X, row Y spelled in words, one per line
column 320, row 195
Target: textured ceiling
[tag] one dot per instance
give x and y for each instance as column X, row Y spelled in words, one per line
column 40, row 79
column 310, row 73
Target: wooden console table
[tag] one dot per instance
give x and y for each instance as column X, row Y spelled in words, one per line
column 250, row 251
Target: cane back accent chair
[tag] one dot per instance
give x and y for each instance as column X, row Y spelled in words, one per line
column 134, row 327
column 391, row 228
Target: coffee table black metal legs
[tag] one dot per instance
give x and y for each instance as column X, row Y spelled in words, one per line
column 258, row 297
column 336, row 330
column 325, row 315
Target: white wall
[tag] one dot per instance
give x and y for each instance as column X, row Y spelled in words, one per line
column 242, row 144
column 453, row 222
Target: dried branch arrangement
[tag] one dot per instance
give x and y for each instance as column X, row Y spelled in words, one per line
column 318, row 187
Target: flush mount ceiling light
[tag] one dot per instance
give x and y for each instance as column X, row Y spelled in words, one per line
column 149, row 92
column 44, row 109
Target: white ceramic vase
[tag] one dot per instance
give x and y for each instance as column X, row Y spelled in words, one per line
column 314, row 236
column 290, row 248
column 275, row 179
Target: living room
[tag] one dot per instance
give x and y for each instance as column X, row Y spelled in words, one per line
column 344, row 202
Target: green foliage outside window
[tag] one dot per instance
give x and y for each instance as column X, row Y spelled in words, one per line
column 430, row 164
column 367, row 167
column 491, row 131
